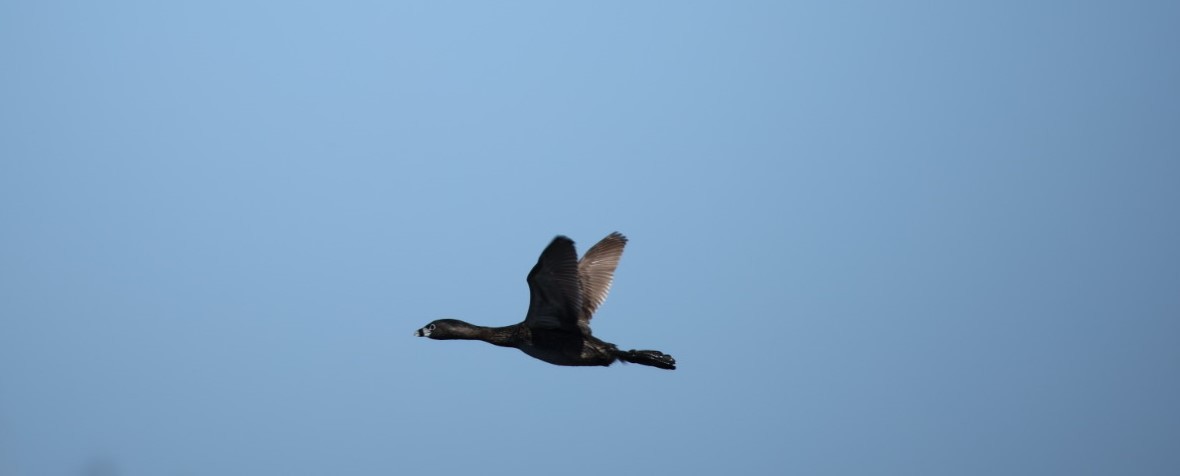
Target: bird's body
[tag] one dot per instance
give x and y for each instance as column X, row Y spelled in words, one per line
column 564, row 293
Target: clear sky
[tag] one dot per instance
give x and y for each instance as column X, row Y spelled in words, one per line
column 920, row 238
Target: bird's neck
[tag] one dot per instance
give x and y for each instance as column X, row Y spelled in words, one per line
column 506, row 336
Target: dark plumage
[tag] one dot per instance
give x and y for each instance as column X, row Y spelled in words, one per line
column 563, row 295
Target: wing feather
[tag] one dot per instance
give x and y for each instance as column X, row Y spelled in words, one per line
column 596, row 271
column 555, row 298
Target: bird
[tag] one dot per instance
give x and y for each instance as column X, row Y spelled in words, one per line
column 564, row 292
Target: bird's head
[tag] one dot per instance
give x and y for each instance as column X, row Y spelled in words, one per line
column 444, row 329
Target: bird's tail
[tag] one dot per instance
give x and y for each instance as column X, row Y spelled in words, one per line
column 653, row 358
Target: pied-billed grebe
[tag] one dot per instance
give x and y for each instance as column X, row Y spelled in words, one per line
column 564, row 293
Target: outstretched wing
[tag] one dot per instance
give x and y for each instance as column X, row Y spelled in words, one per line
column 555, row 298
column 596, row 271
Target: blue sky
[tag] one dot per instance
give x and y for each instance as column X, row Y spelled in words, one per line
column 906, row 238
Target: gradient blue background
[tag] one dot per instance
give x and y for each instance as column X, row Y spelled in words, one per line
column 880, row 237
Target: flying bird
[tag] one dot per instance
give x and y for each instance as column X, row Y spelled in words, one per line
column 564, row 292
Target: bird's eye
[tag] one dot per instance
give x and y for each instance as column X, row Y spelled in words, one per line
column 430, row 327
